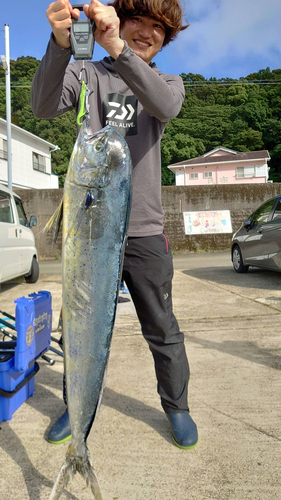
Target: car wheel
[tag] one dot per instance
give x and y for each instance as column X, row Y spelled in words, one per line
column 34, row 274
column 237, row 260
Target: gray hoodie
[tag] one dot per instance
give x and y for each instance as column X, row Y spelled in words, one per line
column 127, row 93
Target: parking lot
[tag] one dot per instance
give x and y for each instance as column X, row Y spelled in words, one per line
column 232, row 334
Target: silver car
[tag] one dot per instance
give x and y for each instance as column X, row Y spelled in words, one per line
column 258, row 241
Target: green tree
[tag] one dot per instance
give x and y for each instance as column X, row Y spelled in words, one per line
column 236, row 96
column 244, row 115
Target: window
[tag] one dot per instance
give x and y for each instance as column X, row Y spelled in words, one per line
column 207, row 175
column 277, row 211
column 6, row 213
column 3, row 149
column 254, row 171
column 261, row 215
column 21, row 213
column 193, row 176
column 39, row 162
column 245, row 172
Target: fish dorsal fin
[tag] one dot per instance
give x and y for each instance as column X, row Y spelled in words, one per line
column 55, row 221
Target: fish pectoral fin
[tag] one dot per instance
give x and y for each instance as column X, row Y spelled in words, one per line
column 81, row 463
column 55, row 221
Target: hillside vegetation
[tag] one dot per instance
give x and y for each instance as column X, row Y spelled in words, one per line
column 244, row 115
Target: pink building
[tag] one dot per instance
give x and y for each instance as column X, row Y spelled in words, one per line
column 223, row 166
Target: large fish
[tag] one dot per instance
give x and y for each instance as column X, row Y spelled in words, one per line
column 96, row 208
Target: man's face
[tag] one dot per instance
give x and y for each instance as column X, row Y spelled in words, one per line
column 144, row 35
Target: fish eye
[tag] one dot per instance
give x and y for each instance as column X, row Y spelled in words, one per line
column 99, row 146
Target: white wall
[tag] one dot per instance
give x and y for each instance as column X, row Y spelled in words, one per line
column 23, row 175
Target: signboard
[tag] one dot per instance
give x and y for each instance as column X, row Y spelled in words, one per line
column 208, row 222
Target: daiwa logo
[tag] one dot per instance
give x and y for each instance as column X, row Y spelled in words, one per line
column 126, row 113
column 120, row 112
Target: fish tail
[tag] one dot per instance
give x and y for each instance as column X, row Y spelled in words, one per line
column 64, row 476
column 77, row 463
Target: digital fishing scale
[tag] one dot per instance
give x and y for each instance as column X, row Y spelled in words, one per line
column 82, row 37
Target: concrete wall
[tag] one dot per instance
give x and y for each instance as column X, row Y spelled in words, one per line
column 241, row 200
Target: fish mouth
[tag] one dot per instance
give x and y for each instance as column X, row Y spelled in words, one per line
column 92, row 175
column 89, row 167
column 87, row 179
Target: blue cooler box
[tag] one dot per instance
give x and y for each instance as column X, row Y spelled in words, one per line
column 18, row 358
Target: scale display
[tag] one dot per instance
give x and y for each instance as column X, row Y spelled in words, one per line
column 82, row 37
column 81, row 27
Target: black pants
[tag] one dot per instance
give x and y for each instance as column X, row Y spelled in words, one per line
column 148, row 273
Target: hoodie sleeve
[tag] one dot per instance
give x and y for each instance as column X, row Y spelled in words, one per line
column 55, row 86
column 160, row 94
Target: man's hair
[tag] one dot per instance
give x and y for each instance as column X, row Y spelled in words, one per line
column 169, row 12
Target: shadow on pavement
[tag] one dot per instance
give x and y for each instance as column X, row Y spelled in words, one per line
column 34, row 480
column 44, row 402
column 52, row 406
column 137, row 410
column 255, row 278
column 9, row 285
column 245, row 350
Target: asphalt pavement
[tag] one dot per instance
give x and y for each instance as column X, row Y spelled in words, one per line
column 231, row 324
column 180, row 261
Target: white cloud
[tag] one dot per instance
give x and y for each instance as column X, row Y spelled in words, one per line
column 225, row 29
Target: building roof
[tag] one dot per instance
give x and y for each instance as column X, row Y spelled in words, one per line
column 223, row 155
column 221, row 150
column 25, row 132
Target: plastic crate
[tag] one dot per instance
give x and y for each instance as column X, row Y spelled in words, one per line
column 33, row 321
column 10, row 401
column 33, row 326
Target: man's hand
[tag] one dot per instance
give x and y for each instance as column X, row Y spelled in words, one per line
column 59, row 14
column 107, row 32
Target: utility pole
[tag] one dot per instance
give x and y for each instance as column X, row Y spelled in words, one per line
column 6, row 65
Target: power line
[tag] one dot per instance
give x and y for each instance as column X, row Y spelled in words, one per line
column 2, row 86
column 231, row 84
column 186, row 84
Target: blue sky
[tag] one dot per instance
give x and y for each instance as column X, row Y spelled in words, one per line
column 226, row 38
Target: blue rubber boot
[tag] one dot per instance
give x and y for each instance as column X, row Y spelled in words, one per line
column 123, row 288
column 184, row 430
column 60, row 432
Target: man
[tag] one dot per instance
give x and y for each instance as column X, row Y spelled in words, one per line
column 132, row 32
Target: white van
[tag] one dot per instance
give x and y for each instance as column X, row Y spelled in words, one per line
column 18, row 254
